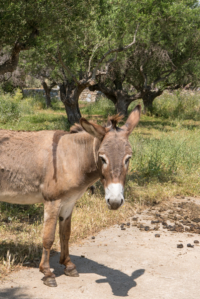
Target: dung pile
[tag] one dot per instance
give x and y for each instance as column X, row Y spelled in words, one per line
column 172, row 216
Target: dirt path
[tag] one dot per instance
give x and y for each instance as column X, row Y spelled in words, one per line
column 124, row 262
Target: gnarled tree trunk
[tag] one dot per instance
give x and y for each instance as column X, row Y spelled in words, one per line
column 120, row 98
column 123, row 101
column 148, row 98
column 69, row 95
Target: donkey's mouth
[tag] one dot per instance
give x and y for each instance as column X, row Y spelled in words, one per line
column 114, row 196
column 115, row 206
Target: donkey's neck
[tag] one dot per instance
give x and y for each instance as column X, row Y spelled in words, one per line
column 86, row 152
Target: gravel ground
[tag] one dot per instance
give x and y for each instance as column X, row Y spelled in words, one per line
column 139, row 259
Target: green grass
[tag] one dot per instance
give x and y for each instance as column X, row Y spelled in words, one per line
column 179, row 105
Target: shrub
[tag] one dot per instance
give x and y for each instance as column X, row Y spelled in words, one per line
column 179, row 105
column 9, row 108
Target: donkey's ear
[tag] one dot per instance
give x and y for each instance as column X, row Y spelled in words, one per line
column 132, row 120
column 93, row 129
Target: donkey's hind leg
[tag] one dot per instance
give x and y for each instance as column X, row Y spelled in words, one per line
column 51, row 212
column 64, row 231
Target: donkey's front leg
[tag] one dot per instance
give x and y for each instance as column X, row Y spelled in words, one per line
column 51, row 212
column 64, row 231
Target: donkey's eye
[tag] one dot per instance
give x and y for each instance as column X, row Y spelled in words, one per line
column 103, row 160
column 127, row 160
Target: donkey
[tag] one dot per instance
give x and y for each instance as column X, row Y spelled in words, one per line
column 56, row 167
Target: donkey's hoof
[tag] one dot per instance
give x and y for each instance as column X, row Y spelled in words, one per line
column 72, row 273
column 50, row 281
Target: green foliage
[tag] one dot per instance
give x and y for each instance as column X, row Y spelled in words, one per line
column 38, row 102
column 167, row 46
column 18, row 95
column 7, row 86
column 9, row 109
column 178, row 105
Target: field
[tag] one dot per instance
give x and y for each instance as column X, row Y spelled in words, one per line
column 165, row 163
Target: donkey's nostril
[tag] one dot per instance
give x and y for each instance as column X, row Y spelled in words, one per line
column 108, row 201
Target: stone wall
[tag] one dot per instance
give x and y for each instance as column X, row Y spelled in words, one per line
column 86, row 95
column 89, row 96
column 55, row 93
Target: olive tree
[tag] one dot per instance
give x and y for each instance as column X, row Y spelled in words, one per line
column 165, row 55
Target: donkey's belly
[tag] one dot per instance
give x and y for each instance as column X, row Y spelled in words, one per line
column 23, row 199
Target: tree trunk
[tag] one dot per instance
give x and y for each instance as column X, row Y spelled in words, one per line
column 47, row 94
column 122, row 104
column 148, row 103
column 148, row 98
column 69, row 95
column 10, row 64
column 118, row 84
column 109, row 93
column 120, row 98
column 73, row 113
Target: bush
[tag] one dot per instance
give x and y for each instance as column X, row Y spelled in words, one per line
column 9, row 108
column 179, row 105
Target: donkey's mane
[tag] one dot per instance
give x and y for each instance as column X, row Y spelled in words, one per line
column 76, row 128
column 113, row 120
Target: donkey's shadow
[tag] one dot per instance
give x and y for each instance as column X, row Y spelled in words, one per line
column 119, row 282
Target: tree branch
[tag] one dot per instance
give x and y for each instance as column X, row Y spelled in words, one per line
column 162, row 78
column 5, row 80
column 10, row 64
column 99, row 73
column 92, row 55
column 120, row 49
column 144, row 76
column 67, row 69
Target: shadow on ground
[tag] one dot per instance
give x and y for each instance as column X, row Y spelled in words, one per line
column 120, row 282
column 14, row 293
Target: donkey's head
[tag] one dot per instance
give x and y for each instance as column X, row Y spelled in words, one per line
column 114, row 154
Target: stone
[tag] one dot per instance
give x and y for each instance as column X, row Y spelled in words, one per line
column 190, row 245
column 157, row 235
column 179, row 245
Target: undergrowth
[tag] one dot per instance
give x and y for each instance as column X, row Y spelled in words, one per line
column 178, row 105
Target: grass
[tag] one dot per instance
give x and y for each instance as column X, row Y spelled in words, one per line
column 165, row 163
column 179, row 105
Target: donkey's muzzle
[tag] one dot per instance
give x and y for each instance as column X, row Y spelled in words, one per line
column 114, row 195
column 114, row 205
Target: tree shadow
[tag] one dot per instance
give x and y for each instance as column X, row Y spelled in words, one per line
column 159, row 125
column 120, row 282
column 167, row 125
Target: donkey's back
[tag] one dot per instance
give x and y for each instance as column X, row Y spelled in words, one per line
column 24, row 157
